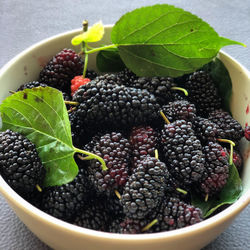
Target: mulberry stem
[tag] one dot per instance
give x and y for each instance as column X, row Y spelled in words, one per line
column 164, row 117
column 181, row 89
column 232, row 144
column 181, row 191
column 91, row 156
column 86, row 59
column 111, row 46
column 156, row 154
column 206, row 198
column 118, row 194
column 147, row 227
column 38, row 188
column 71, row 103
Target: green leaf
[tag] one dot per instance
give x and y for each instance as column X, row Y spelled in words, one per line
column 40, row 115
column 228, row 195
column 109, row 61
column 163, row 40
column 221, row 77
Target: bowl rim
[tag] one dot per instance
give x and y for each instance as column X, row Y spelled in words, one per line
column 18, row 201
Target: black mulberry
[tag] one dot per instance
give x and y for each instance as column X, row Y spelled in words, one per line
column 182, row 151
column 229, row 128
column 20, row 164
column 61, row 69
column 145, row 188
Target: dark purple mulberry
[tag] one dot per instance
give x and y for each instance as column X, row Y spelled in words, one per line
column 145, row 188
column 179, row 110
column 20, row 164
column 203, row 92
column 217, row 169
column 61, row 69
column 183, row 152
column 116, row 152
column 229, row 128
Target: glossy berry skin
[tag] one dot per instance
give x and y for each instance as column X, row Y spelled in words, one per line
column 144, row 141
column 133, row 226
column 217, row 169
column 61, row 69
column 205, row 129
column 116, row 152
column 63, row 202
column 160, row 87
column 229, row 128
column 174, row 214
column 183, row 152
column 103, row 103
column 179, row 110
column 145, row 188
column 30, row 85
column 203, row 92
column 20, row 164
column 78, row 81
column 93, row 215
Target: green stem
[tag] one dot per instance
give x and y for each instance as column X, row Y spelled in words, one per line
column 181, row 89
column 232, row 144
column 89, row 47
column 227, row 141
column 181, row 191
column 148, row 226
column 231, row 154
column 92, row 156
column 101, row 48
column 118, row 194
column 85, row 61
column 164, row 117
column 38, row 188
column 156, row 154
column 71, row 103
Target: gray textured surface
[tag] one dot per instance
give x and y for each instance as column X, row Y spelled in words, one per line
column 24, row 22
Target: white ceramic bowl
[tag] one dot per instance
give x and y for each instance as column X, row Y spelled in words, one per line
column 61, row 235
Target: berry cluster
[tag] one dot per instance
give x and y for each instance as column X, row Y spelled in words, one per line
column 152, row 164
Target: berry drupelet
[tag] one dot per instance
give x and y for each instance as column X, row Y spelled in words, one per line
column 179, row 110
column 182, row 151
column 20, row 164
column 30, row 85
column 174, row 214
column 61, row 69
column 116, row 152
column 93, row 215
column 202, row 92
column 160, row 87
column 126, row 77
column 217, row 169
column 145, row 188
column 64, row 201
column 205, row 129
column 229, row 128
column 102, row 103
column 144, row 141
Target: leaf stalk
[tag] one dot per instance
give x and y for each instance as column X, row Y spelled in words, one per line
column 111, row 46
column 92, row 156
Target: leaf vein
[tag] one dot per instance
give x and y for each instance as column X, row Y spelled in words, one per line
column 147, row 24
column 27, row 104
column 61, row 121
column 167, row 28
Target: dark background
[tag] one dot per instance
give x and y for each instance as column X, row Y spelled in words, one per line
column 24, row 22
